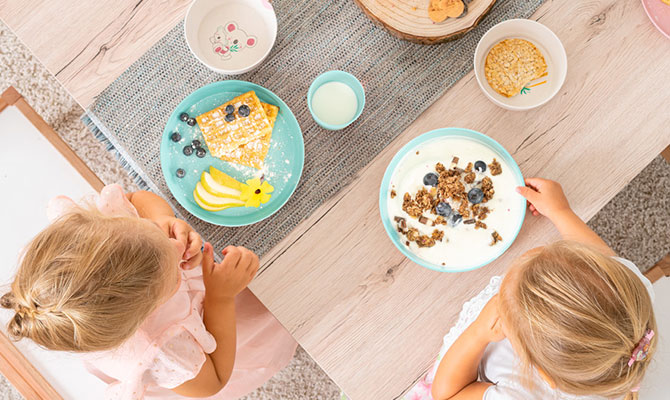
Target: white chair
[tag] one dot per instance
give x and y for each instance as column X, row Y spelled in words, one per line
column 36, row 165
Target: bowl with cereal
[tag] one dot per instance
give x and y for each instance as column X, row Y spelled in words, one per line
column 448, row 200
column 520, row 64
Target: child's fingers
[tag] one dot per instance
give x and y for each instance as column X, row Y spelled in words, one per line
column 528, row 193
column 253, row 266
column 194, row 244
column 248, row 261
column 231, row 256
column 180, row 231
column 193, row 261
column 535, row 183
column 207, row 260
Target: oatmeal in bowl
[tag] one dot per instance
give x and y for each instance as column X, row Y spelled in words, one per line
column 448, row 200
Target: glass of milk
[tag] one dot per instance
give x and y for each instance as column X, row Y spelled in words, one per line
column 335, row 99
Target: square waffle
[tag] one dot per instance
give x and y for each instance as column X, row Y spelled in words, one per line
column 253, row 153
column 222, row 136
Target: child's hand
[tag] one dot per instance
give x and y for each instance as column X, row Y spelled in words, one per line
column 224, row 281
column 487, row 325
column 179, row 230
column 544, row 197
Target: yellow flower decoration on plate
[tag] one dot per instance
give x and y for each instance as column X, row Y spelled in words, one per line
column 256, row 193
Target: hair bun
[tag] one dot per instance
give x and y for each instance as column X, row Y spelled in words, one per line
column 7, row 300
column 18, row 327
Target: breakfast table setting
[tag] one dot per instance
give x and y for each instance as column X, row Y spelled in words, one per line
column 315, row 133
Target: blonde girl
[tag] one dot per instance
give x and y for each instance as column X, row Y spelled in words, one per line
column 569, row 321
column 134, row 290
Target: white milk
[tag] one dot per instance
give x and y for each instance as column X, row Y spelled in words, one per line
column 466, row 247
column 334, row 103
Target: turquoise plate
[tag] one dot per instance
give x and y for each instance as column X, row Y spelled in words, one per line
column 283, row 164
column 410, row 147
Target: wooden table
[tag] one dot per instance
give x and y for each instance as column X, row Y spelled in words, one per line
column 370, row 318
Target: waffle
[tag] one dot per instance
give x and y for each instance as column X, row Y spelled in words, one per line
column 253, row 153
column 222, row 136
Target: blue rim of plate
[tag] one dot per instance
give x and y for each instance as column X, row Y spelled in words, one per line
column 224, row 217
column 408, row 148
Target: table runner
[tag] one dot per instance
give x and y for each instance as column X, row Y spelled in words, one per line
column 401, row 80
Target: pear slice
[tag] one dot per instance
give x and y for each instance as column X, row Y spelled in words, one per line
column 208, row 208
column 205, row 206
column 225, row 179
column 217, row 189
column 214, row 201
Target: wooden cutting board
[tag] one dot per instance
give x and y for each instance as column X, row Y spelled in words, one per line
column 408, row 19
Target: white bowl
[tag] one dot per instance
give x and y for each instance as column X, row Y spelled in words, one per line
column 230, row 36
column 552, row 50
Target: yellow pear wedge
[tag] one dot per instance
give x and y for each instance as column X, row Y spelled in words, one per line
column 213, row 201
column 205, row 206
column 225, row 179
column 217, row 189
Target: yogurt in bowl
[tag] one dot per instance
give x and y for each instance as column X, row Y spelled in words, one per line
column 448, row 200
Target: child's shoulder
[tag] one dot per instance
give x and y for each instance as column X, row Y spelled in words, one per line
column 111, row 200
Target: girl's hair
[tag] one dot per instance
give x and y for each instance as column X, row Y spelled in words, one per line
column 577, row 315
column 87, row 282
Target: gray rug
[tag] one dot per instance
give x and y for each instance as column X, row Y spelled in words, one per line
column 401, row 79
column 636, row 222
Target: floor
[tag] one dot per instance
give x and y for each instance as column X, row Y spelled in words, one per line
column 637, row 233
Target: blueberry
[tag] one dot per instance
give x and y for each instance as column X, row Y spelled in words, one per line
column 455, row 219
column 229, row 117
column 184, row 117
column 200, row 152
column 180, row 173
column 480, row 166
column 190, row 122
column 230, row 109
column 195, row 144
column 475, row 195
column 443, row 209
column 175, row 137
column 244, row 110
column 431, row 179
column 188, row 150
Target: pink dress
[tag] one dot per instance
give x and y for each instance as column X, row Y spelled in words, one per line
column 170, row 346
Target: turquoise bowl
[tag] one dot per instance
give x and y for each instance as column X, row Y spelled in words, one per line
column 283, row 164
column 410, row 148
column 347, row 79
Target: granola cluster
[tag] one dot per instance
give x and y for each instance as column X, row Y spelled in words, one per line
column 449, row 196
column 413, row 235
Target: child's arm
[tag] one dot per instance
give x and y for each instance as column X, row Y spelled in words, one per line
column 150, row 205
column 154, row 208
column 547, row 198
column 222, row 283
column 456, row 376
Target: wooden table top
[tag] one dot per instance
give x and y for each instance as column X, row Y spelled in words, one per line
column 373, row 320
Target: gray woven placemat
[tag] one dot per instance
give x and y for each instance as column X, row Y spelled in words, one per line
column 401, row 80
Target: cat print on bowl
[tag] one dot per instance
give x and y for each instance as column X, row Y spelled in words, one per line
column 229, row 38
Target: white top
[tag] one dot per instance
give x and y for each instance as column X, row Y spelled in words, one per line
column 499, row 366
